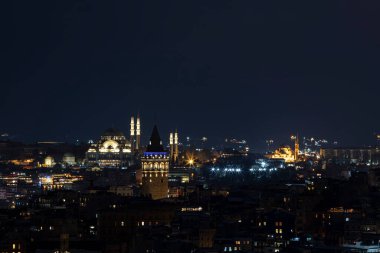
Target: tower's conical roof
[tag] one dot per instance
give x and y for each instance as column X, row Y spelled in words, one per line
column 155, row 144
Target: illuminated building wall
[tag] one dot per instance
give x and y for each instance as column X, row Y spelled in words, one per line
column 369, row 156
column 112, row 150
column 58, row 181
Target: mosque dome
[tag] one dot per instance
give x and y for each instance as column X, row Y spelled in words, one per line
column 49, row 161
column 68, row 158
column 68, row 155
column 112, row 132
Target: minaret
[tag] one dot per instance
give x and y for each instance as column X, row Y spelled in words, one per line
column 171, row 142
column 175, row 151
column 296, row 149
column 132, row 134
column 64, row 242
column 138, row 132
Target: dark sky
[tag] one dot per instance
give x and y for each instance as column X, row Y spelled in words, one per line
column 246, row 69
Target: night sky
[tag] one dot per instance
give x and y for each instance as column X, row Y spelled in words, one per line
column 245, row 69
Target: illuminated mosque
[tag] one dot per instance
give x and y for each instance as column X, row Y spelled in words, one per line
column 114, row 150
column 286, row 153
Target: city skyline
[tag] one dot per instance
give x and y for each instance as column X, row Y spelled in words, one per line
column 259, row 144
column 190, row 126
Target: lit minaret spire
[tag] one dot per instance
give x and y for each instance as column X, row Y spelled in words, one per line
column 138, row 132
column 171, row 142
column 296, row 149
column 175, row 151
column 132, row 133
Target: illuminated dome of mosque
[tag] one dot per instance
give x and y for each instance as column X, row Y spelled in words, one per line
column 49, row 161
column 112, row 132
column 66, row 155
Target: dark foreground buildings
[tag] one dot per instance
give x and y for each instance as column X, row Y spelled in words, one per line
column 177, row 198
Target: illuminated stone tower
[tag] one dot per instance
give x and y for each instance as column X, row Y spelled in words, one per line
column 138, row 133
column 155, row 168
column 132, row 138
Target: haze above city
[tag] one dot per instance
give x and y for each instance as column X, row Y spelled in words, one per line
column 251, row 70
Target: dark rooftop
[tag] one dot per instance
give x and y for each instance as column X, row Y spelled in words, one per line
column 155, row 143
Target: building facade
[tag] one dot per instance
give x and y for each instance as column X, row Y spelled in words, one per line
column 155, row 168
column 112, row 150
column 353, row 155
